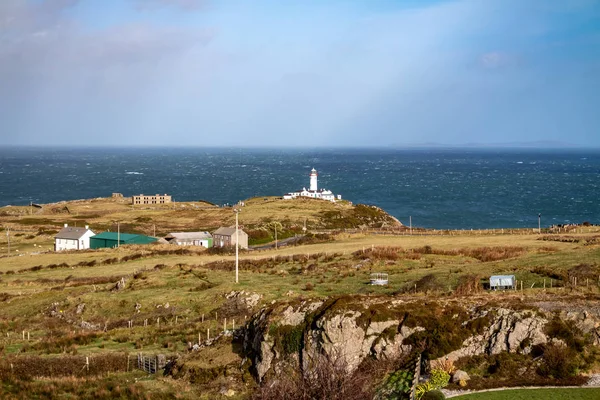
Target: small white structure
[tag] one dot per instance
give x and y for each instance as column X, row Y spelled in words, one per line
column 314, row 191
column 379, row 278
column 203, row 239
column 73, row 238
column 502, row 282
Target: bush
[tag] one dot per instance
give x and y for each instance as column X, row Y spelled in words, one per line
column 396, row 385
column 558, row 362
column 439, row 378
column 433, row 395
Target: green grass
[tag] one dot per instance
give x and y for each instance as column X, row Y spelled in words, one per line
column 535, row 394
column 199, row 285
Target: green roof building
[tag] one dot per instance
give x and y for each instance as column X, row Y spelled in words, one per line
column 110, row 239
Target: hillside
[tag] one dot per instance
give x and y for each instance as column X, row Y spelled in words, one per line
column 32, row 225
column 76, row 322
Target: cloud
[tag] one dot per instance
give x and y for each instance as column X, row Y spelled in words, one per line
column 497, row 59
column 186, row 5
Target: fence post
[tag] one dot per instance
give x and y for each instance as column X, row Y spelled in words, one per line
column 415, row 382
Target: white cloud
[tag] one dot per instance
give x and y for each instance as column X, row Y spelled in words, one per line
column 497, row 59
column 186, row 5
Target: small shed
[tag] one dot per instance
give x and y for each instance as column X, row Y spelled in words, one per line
column 111, row 239
column 203, row 239
column 502, row 282
column 379, row 278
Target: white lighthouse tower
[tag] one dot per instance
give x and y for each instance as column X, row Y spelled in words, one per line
column 313, row 192
column 313, row 180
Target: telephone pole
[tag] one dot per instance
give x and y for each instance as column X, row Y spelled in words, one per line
column 8, row 238
column 237, row 245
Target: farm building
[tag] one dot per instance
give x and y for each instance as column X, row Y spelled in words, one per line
column 224, row 237
column 502, row 282
column 203, row 239
column 110, row 239
column 73, row 238
column 152, row 199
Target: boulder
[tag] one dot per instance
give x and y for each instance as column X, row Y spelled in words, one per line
column 460, row 375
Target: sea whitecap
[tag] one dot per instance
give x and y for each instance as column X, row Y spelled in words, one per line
column 134, row 173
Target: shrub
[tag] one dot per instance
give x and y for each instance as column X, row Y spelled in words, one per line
column 468, row 284
column 559, row 362
column 396, row 385
column 309, row 286
column 433, row 395
column 439, row 379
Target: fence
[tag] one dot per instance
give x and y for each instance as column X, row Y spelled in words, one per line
column 415, row 381
column 151, row 364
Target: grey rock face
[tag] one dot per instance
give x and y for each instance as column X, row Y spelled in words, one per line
column 510, row 331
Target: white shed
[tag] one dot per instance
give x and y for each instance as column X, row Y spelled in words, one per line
column 502, row 282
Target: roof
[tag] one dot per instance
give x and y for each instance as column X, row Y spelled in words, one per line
column 124, row 237
column 189, row 235
column 71, row 232
column 502, row 280
column 226, row 231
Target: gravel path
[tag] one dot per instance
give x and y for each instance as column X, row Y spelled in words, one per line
column 593, row 382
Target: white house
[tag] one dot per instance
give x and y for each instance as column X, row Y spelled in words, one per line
column 73, row 238
column 203, row 239
column 314, row 191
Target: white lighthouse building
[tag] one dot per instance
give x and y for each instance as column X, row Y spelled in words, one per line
column 314, row 191
column 313, row 180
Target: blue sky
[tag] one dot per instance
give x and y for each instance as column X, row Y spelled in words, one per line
column 299, row 73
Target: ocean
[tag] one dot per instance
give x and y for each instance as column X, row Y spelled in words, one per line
column 438, row 188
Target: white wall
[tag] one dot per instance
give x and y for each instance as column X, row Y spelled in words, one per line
column 74, row 244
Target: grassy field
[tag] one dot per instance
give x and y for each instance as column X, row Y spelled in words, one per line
column 56, row 305
column 535, row 394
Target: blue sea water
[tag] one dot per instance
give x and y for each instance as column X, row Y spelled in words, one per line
column 439, row 188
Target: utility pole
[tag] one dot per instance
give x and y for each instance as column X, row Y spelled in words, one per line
column 237, row 244
column 275, row 236
column 410, row 223
column 540, row 223
column 8, row 238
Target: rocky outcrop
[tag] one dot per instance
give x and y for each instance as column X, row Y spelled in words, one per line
column 349, row 330
column 510, row 331
column 340, row 335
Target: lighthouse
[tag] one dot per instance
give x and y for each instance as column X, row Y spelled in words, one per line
column 314, row 191
column 313, row 180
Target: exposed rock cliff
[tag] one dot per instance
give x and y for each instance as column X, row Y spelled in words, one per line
column 350, row 329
